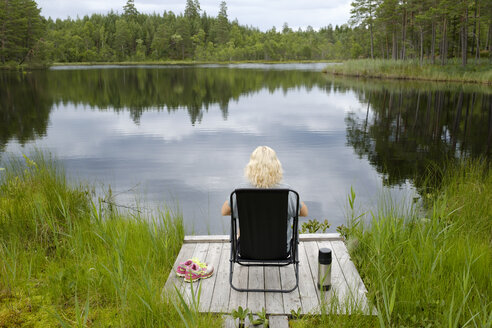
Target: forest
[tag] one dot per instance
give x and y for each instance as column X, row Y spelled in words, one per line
column 430, row 30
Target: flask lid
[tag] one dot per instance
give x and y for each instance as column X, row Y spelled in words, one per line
column 324, row 256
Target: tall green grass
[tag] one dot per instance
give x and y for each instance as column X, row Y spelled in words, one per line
column 66, row 260
column 412, row 69
column 431, row 269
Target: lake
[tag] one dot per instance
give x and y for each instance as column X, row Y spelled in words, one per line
column 180, row 136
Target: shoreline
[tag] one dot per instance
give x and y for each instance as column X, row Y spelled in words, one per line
column 189, row 62
column 45, row 66
column 412, row 71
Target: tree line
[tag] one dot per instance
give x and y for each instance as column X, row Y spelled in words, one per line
column 397, row 29
column 433, row 29
column 192, row 35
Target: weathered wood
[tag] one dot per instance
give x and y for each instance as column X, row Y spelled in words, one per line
column 347, row 292
column 173, row 280
column 220, row 297
column 325, row 297
column 355, row 285
column 229, row 322
column 207, row 239
column 292, row 300
column 249, row 324
column 319, row 236
column 186, row 289
column 208, row 285
column 312, row 257
column 226, row 238
column 278, row 321
column 339, row 293
column 274, row 303
column 240, row 280
column 307, row 288
column 256, row 300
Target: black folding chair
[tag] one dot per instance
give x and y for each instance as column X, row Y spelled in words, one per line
column 263, row 221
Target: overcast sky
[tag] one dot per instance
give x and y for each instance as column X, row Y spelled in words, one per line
column 258, row 13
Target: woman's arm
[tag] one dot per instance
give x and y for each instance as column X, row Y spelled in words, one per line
column 303, row 211
column 226, row 209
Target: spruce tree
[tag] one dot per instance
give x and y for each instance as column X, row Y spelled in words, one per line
column 222, row 26
column 130, row 10
column 21, row 27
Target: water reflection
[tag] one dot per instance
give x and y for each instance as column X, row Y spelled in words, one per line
column 184, row 134
column 25, row 106
column 405, row 127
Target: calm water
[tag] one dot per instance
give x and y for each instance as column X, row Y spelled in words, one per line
column 181, row 136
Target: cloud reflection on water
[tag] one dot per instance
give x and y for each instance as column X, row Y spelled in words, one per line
column 197, row 166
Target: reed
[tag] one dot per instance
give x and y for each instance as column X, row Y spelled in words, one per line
column 432, row 268
column 71, row 261
column 478, row 72
column 427, row 266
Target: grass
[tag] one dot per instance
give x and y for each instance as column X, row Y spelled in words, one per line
column 425, row 267
column 412, row 70
column 15, row 66
column 431, row 269
column 69, row 261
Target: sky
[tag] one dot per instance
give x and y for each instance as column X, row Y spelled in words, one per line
column 263, row 14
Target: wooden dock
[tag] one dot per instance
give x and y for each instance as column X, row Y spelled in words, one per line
column 347, row 293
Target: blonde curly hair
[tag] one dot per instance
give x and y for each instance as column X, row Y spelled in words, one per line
column 264, row 169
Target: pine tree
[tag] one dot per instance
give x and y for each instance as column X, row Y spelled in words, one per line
column 21, row 27
column 192, row 15
column 34, row 28
column 129, row 10
column 363, row 12
column 222, row 27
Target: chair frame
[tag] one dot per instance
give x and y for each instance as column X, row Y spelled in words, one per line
column 293, row 255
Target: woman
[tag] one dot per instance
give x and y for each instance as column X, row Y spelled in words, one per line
column 265, row 171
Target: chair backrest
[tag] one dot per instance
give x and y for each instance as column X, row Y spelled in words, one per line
column 263, row 222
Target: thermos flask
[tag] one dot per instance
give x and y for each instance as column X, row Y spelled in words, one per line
column 324, row 269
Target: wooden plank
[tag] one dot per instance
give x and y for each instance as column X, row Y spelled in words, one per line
column 208, row 285
column 217, row 296
column 220, row 296
column 292, row 300
column 249, row 324
column 229, row 322
column 307, row 287
column 339, row 288
column 354, row 282
column 278, row 321
column 200, row 253
column 319, row 236
column 240, row 280
column 185, row 253
column 256, row 279
column 273, row 301
column 226, row 238
column 207, row 239
column 311, row 248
